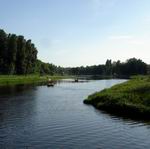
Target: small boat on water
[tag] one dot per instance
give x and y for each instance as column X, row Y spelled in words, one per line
column 50, row 83
column 76, row 80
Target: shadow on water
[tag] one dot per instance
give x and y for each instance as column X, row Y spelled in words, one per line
column 19, row 103
column 14, row 90
column 121, row 117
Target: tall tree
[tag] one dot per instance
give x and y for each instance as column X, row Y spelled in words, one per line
column 108, row 67
column 12, row 52
column 21, row 55
column 3, row 52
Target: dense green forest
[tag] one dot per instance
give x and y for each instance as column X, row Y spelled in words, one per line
column 19, row 56
column 132, row 66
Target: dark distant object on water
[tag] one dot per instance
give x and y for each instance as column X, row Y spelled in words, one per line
column 76, row 80
column 50, row 83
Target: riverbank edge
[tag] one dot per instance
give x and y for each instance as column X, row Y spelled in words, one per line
column 121, row 99
column 7, row 80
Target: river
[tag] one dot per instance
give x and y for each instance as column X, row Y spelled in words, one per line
column 55, row 117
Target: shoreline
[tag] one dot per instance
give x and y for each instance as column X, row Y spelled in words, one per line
column 8, row 80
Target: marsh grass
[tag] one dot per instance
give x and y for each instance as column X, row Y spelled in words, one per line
column 26, row 79
column 131, row 98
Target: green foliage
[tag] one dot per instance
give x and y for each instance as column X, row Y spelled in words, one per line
column 116, row 69
column 26, row 79
column 31, row 56
column 108, row 67
column 17, row 56
column 46, row 68
column 130, row 97
column 3, row 51
column 21, row 79
column 12, row 52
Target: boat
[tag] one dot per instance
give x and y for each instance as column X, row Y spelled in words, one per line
column 76, row 80
column 50, row 84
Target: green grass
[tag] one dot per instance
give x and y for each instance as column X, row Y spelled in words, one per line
column 28, row 79
column 131, row 98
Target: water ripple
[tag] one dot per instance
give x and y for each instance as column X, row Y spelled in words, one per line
column 56, row 118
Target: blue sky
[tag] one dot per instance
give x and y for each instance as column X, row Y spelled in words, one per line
column 81, row 32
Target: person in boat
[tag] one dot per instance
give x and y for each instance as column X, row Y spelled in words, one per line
column 50, row 83
column 76, row 80
column 49, row 80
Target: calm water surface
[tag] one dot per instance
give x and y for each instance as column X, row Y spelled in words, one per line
column 55, row 117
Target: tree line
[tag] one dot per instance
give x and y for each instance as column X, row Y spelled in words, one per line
column 48, row 68
column 118, row 69
column 19, row 56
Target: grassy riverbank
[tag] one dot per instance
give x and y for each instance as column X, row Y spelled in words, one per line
column 28, row 79
column 131, row 98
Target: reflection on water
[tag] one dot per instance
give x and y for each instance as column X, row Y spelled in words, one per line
column 55, row 117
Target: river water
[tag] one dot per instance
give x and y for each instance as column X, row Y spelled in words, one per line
column 55, row 117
